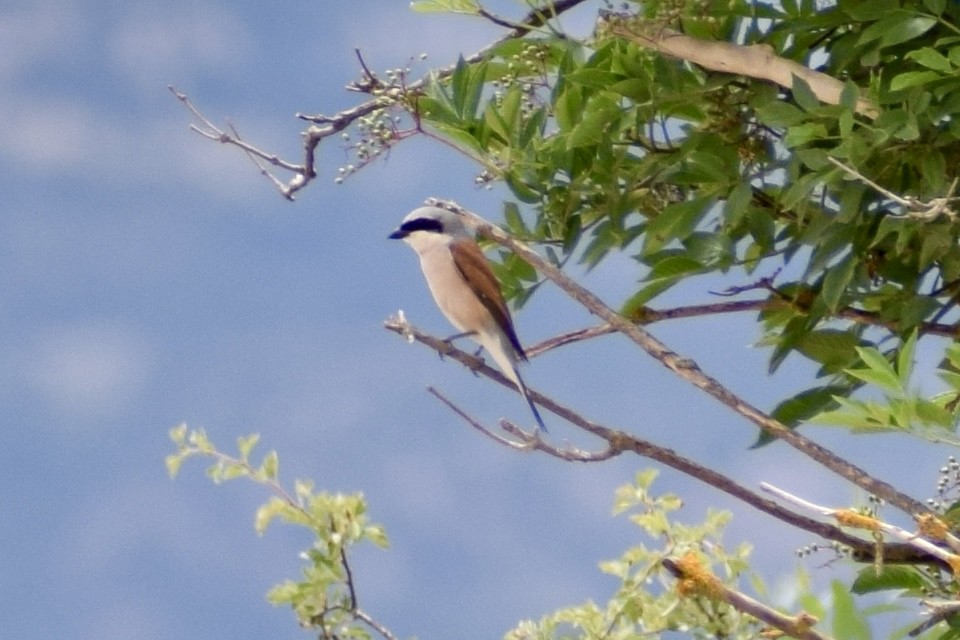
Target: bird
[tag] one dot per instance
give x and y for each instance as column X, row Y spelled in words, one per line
column 465, row 288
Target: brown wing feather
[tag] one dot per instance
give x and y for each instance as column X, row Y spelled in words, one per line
column 476, row 271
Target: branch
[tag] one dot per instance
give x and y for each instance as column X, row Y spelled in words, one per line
column 918, row 209
column 620, row 442
column 697, row 580
column 325, row 126
column 939, row 611
column 754, row 61
column 869, row 523
column 687, row 369
column 528, row 441
column 647, row 315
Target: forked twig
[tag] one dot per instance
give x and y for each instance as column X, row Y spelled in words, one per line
column 918, row 209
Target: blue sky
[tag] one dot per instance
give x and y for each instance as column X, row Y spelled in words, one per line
column 150, row 277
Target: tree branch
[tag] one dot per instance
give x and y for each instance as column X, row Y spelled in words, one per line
column 688, row 369
column 620, row 442
column 647, row 315
column 697, row 580
column 325, row 126
column 754, row 61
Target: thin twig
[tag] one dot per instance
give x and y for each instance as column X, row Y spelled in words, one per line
column 647, row 316
column 918, row 209
column 348, row 572
column 256, row 161
column 362, row 615
column 521, row 446
column 940, row 610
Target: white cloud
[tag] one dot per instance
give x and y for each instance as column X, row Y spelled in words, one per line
column 154, row 44
column 48, row 134
column 39, row 33
column 88, row 371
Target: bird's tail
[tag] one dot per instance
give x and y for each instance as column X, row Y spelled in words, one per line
column 526, row 396
column 506, row 358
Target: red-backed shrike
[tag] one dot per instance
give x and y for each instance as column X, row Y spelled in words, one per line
column 464, row 287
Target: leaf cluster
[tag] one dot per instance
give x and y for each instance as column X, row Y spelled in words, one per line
column 324, row 598
column 608, row 146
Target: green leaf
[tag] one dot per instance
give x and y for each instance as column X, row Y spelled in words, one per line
column 901, row 30
column 932, row 413
column 806, row 404
column 848, row 622
column 905, row 359
column 710, row 249
column 246, row 445
column 591, row 77
column 849, row 95
column 445, row 6
column 266, row 514
column 377, row 535
column 836, row 280
column 879, row 371
column 828, row 346
column 514, row 221
column 897, row 27
column 463, row 140
column 568, row 109
column 173, row 463
column 600, row 116
column 804, row 95
column 780, row 114
column 269, row 466
column 662, row 276
column 913, row 79
column 892, row 577
column 931, row 58
column 738, row 203
column 801, row 134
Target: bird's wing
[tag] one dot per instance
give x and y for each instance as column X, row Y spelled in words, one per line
column 476, row 271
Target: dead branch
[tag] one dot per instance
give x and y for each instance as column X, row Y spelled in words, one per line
column 754, row 61
column 323, row 126
column 918, row 209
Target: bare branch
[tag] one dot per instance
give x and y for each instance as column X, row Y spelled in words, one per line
column 325, row 126
column 522, row 446
column 754, row 61
column 918, row 209
column 686, row 368
column 647, row 315
column 620, row 442
column 256, row 161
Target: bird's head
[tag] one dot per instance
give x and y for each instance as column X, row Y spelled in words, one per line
column 429, row 225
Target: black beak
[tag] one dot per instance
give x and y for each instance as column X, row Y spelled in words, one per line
column 399, row 234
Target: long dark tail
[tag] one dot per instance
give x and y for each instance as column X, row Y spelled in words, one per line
column 526, row 396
